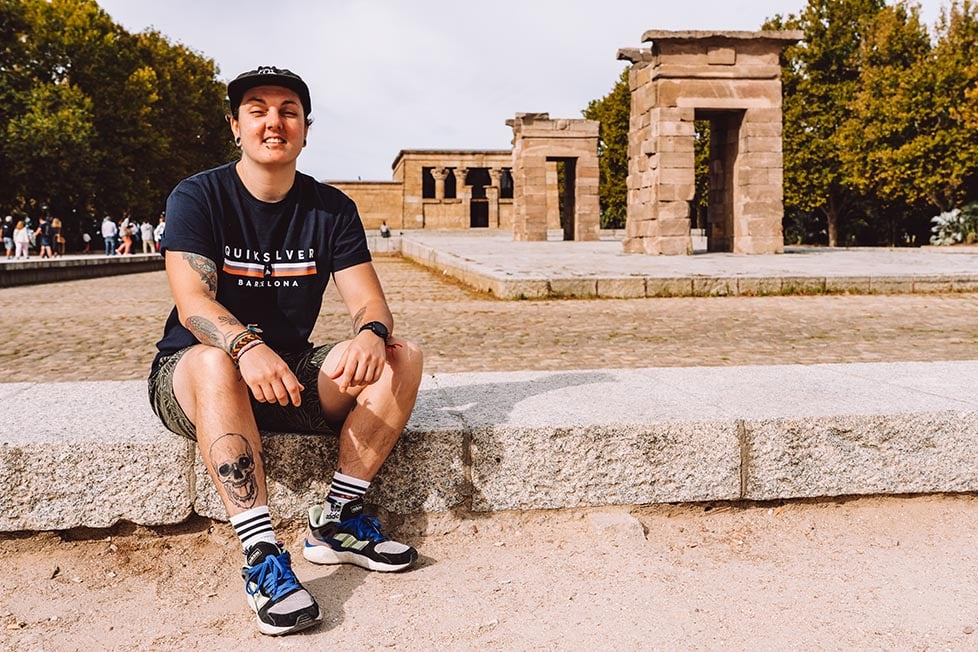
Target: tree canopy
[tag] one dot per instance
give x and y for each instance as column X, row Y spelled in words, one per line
column 97, row 120
column 612, row 112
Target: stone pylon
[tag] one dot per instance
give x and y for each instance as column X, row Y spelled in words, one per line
column 538, row 140
column 733, row 80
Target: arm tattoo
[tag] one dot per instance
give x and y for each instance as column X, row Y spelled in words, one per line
column 206, row 268
column 357, row 318
column 229, row 320
column 205, row 331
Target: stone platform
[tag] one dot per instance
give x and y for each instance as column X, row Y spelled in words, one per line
column 80, row 457
column 36, row 270
column 492, row 262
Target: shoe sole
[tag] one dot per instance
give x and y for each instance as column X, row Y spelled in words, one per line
column 272, row 630
column 319, row 554
column 304, row 622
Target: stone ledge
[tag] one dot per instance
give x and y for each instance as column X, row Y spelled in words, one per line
column 36, row 270
column 93, row 454
column 493, row 263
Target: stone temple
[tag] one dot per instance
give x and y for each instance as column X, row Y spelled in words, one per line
column 732, row 79
column 547, row 184
column 519, row 189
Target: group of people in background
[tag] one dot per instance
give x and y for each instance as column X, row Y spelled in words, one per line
column 16, row 237
column 124, row 237
column 19, row 237
column 120, row 238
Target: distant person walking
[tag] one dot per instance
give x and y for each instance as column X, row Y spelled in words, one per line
column 44, row 234
column 22, row 240
column 109, row 231
column 8, row 235
column 149, row 240
column 158, row 232
column 125, row 232
column 57, row 238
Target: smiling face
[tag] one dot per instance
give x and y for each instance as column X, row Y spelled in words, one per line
column 271, row 125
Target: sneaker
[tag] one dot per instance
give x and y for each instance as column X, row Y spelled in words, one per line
column 348, row 536
column 275, row 594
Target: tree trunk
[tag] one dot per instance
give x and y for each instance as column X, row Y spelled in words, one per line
column 832, row 219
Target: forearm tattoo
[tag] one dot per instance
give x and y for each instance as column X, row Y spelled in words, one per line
column 229, row 320
column 205, row 331
column 357, row 318
column 234, row 461
column 206, row 268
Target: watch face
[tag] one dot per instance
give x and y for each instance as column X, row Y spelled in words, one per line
column 378, row 329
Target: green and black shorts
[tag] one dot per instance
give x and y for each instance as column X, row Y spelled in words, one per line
column 307, row 418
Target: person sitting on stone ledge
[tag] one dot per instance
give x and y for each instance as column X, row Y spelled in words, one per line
column 249, row 249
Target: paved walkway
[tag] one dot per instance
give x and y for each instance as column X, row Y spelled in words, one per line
column 106, row 328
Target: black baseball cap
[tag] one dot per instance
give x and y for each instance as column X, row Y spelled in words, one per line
column 268, row 76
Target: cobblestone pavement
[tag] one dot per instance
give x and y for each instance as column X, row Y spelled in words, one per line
column 106, row 328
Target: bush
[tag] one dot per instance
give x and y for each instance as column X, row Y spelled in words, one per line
column 956, row 226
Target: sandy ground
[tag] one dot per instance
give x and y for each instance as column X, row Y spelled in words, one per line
column 867, row 574
column 874, row 573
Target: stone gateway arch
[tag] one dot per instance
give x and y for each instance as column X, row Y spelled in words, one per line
column 733, row 80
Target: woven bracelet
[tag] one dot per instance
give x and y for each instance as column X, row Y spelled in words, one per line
column 240, row 341
column 247, row 347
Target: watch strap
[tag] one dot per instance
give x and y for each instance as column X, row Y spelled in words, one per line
column 377, row 328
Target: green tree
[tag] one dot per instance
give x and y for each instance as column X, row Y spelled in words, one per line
column 879, row 129
column 613, row 111
column 186, row 118
column 99, row 120
column 15, row 82
column 820, row 78
column 701, row 157
column 909, row 141
column 48, row 146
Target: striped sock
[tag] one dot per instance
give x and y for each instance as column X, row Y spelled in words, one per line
column 344, row 489
column 253, row 526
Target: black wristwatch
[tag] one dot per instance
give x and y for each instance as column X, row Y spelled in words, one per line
column 377, row 328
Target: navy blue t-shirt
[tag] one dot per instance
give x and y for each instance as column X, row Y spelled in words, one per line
column 273, row 260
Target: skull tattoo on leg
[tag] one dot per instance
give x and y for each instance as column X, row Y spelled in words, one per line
column 235, row 463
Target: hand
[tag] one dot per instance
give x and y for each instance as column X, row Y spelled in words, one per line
column 268, row 377
column 362, row 363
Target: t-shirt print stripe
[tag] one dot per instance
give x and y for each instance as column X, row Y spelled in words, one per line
column 252, row 270
column 294, row 269
column 278, row 270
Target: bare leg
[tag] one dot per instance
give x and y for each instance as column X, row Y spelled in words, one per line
column 373, row 416
column 212, row 394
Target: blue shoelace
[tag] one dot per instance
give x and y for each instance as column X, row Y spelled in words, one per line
column 365, row 528
column 274, row 577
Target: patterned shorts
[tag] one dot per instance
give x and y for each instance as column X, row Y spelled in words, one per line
column 307, row 418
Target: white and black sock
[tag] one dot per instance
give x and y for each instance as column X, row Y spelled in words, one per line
column 344, row 489
column 253, row 526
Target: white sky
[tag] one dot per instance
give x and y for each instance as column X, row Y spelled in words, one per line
column 387, row 75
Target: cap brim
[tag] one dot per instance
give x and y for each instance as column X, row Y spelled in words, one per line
column 238, row 88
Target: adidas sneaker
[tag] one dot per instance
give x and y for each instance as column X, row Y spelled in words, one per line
column 280, row 602
column 348, row 536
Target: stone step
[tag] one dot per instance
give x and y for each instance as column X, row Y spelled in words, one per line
column 37, row 270
column 91, row 454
